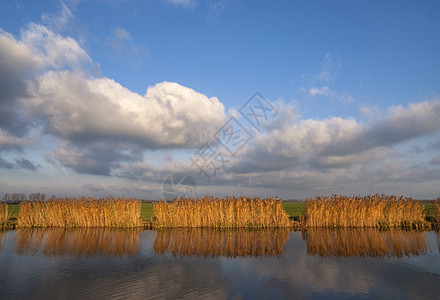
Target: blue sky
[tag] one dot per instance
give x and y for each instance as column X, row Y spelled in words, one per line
column 355, row 85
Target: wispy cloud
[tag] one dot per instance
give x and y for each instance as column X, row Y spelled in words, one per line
column 320, row 83
column 435, row 160
column 323, row 91
column 19, row 163
column 60, row 20
column 123, row 47
column 183, row 3
column 94, row 187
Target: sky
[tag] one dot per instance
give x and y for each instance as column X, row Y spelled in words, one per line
column 293, row 99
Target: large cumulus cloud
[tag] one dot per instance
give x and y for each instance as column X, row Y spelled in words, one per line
column 339, row 142
column 81, row 109
column 45, row 84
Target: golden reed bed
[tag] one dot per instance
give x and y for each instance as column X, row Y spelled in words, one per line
column 68, row 213
column 362, row 212
column 365, row 242
column 78, row 242
column 221, row 213
column 327, row 212
column 213, row 242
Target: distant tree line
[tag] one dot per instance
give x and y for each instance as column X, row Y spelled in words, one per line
column 20, row 197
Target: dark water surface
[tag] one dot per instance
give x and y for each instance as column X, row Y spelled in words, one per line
column 211, row 264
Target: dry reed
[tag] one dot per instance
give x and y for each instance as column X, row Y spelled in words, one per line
column 221, row 213
column 436, row 211
column 365, row 242
column 209, row 242
column 78, row 242
column 369, row 211
column 4, row 215
column 68, row 213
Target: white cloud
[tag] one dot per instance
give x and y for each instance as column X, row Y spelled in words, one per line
column 323, row 91
column 17, row 56
column 338, row 136
column 123, row 46
column 74, row 106
column 59, row 20
column 11, row 142
column 436, row 160
column 94, row 187
column 18, row 65
column 183, row 3
column 168, row 115
column 320, row 83
column 90, row 115
column 54, row 50
column 308, row 137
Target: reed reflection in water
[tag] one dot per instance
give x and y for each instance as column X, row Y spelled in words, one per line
column 3, row 235
column 365, row 242
column 213, row 242
column 78, row 242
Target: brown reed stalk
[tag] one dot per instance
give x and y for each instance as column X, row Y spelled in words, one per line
column 227, row 212
column 436, row 211
column 4, row 215
column 71, row 212
column 370, row 211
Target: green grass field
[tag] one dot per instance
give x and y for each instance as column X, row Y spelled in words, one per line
column 294, row 209
column 147, row 210
column 13, row 210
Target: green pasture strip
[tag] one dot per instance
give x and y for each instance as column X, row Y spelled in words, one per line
column 294, row 209
column 147, row 210
column 13, row 210
column 429, row 210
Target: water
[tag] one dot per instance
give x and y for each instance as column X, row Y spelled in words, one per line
column 209, row 264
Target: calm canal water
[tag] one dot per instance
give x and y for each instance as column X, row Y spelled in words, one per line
column 210, row 264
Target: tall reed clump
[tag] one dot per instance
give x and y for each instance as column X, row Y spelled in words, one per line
column 70, row 212
column 4, row 215
column 369, row 211
column 436, row 213
column 227, row 212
